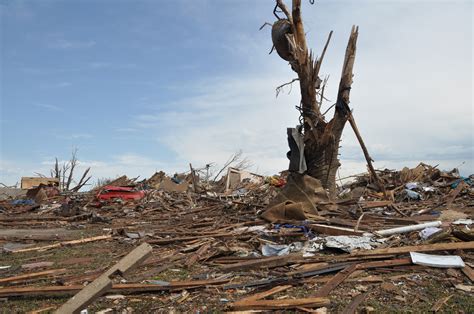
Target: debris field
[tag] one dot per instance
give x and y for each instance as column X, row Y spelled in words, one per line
column 185, row 244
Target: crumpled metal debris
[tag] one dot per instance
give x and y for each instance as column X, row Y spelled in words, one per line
column 428, row 232
column 281, row 249
column 350, row 243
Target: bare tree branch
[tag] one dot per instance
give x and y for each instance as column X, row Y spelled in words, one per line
column 320, row 60
column 81, row 184
column 284, row 9
column 279, row 88
column 73, row 163
column 236, row 157
column 265, row 24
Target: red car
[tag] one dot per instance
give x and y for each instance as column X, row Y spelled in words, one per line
column 109, row 192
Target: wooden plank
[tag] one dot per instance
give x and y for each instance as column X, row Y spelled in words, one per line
column 439, row 304
column 346, row 272
column 385, row 263
column 198, row 255
column 60, row 244
column 417, row 248
column 352, row 307
column 194, row 283
column 100, row 285
column 47, row 309
column 264, row 294
column 281, row 304
column 335, row 281
column 468, row 272
column 184, row 239
column 32, row 275
column 331, row 230
column 374, row 204
column 29, row 182
column 267, row 262
column 116, row 288
column 86, row 296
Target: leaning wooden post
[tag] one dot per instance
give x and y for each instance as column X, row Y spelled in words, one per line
column 366, row 155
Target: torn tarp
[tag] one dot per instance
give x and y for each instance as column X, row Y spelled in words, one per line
column 296, row 153
column 302, row 195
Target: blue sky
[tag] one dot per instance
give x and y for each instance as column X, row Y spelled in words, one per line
column 139, row 86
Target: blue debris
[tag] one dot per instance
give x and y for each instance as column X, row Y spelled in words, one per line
column 303, row 229
column 23, row 202
column 413, row 195
column 456, row 183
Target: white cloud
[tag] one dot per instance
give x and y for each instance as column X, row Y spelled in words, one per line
column 71, row 44
column 63, row 84
column 130, row 164
column 99, row 65
column 48, row 107
column 74, row 136
column 412, row 96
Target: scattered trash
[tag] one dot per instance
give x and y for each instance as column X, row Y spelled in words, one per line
column 464, row 288
column 463, row 222
column 399, row 230
column 412, row 185
column 442, row 261
column 349, row 243
column 428, row 232
column 279, row 250
column 413, row 195
column 215, row 237
column 26, row 202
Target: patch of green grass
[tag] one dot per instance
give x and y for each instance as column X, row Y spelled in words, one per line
column 174, row 274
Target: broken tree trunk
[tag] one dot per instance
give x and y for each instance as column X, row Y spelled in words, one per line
column 321, row 138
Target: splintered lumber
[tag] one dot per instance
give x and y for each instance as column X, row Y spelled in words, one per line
column 417, row 248
column 280, row 304
column 335, row 281
column 28, row 218
column 65, row 243
column 439, row 304
column 198, row 255
column 385, row 263
column 263, row 294
column 32, row 275
column 351, row 307
column 268, row 262
column 100, row 285
column 374, row 204
column 47, row 309
column 454, row 193
column 366, row 154
column 331, row 230
column 346, row 272
column 184, row 239
column 130, row 288
column 468, row 272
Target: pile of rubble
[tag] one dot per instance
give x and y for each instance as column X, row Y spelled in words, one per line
column 245, row 242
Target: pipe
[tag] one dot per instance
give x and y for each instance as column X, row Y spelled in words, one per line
column 406, row 229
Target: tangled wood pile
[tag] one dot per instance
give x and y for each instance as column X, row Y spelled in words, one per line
column 208, row 250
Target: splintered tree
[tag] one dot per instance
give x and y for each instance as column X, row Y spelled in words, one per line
column 321, row 137
column 65, row 174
